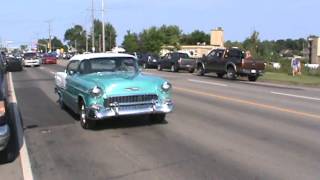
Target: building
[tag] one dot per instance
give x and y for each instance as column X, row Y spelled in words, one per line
column 314, row 49
column 197, row 51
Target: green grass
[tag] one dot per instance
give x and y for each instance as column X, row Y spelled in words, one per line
column 289, row 79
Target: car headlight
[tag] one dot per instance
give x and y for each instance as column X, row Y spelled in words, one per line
column 96, row 91
column 166, row 86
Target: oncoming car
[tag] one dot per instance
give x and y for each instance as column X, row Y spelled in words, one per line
column 103, row 85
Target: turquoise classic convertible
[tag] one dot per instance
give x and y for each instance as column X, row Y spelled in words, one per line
column 102, row 85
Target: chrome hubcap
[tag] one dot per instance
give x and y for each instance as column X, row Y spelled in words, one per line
column 83, row 114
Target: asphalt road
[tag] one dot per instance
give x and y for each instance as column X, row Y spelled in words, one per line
column 220, row 129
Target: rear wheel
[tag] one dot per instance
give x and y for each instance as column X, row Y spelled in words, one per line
column 231, row 73
column 200, row 70
column 7, row 155
column 252, row 78
column 191, row 70
column 158, row 118
column 84, row 121
column 220, row 75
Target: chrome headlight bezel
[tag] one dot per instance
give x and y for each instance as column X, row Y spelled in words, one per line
column 96, row 91
column 166, row 86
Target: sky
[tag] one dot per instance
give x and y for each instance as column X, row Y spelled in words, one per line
column 24, row 21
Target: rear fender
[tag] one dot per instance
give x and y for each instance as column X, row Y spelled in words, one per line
column 232, row 65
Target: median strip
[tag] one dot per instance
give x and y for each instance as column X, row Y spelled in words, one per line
column 252, row 103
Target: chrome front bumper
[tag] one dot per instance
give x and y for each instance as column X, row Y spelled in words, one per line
column 4, row 136
column 99, row 113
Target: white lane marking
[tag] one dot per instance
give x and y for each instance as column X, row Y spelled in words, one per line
column 296, row 96
column 24, row 155
column 206, row 82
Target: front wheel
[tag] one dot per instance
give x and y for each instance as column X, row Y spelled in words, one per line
column 252, row 78
column 84, row 121
column 145, row 66
column 61, row 103
column 158, row 118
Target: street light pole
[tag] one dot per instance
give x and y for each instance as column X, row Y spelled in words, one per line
column 103, row 28
column 92, row 33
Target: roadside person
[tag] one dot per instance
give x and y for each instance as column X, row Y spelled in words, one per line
column 296, row 66
column 248, row 55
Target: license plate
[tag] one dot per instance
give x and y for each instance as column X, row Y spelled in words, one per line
column 154, row 60
column 188, row 65
column 253, row 71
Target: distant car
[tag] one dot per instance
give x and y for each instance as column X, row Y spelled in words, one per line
column 14, row 64
column 49, row 59
column 177, row 61
column 31, row 59
column 4, row 127
column 148, row 60
column 99, row 86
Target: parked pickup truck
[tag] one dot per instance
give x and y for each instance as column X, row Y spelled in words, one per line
column 230, row 62
column 176, row 61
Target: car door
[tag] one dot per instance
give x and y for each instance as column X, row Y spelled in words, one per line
column 166, row 61
column 70, row 96
column 210, row 61
column 219, row 59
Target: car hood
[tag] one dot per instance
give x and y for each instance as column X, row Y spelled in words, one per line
column 125, row 83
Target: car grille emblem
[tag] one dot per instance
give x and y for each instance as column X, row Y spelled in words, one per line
column 133, row 89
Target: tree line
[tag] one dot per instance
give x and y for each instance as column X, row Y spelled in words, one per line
column 78, row 39
column 154, row 38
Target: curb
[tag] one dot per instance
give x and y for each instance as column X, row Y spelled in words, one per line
column 24, row 155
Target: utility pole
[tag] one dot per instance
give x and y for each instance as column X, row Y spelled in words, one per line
column 92, row 31
column 49, row 24
column 87, row 45
column 103, row 31
column 100, row 49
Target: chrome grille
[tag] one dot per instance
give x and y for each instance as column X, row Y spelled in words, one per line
column 131, row 100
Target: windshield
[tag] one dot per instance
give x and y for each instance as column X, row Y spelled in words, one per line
column 30, row 55
column 183, row 55
column 122, row 64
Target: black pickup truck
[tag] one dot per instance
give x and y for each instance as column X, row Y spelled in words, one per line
column 230, row 62
column 176, row 61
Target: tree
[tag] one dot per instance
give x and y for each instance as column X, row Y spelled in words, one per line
column 110, row 35
column 195, row 37
column 56, row 43
column 170, row 35
column 23, row 47
column 76, row 38
column 252, row 43
column 131, row 42
column 151, row 40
